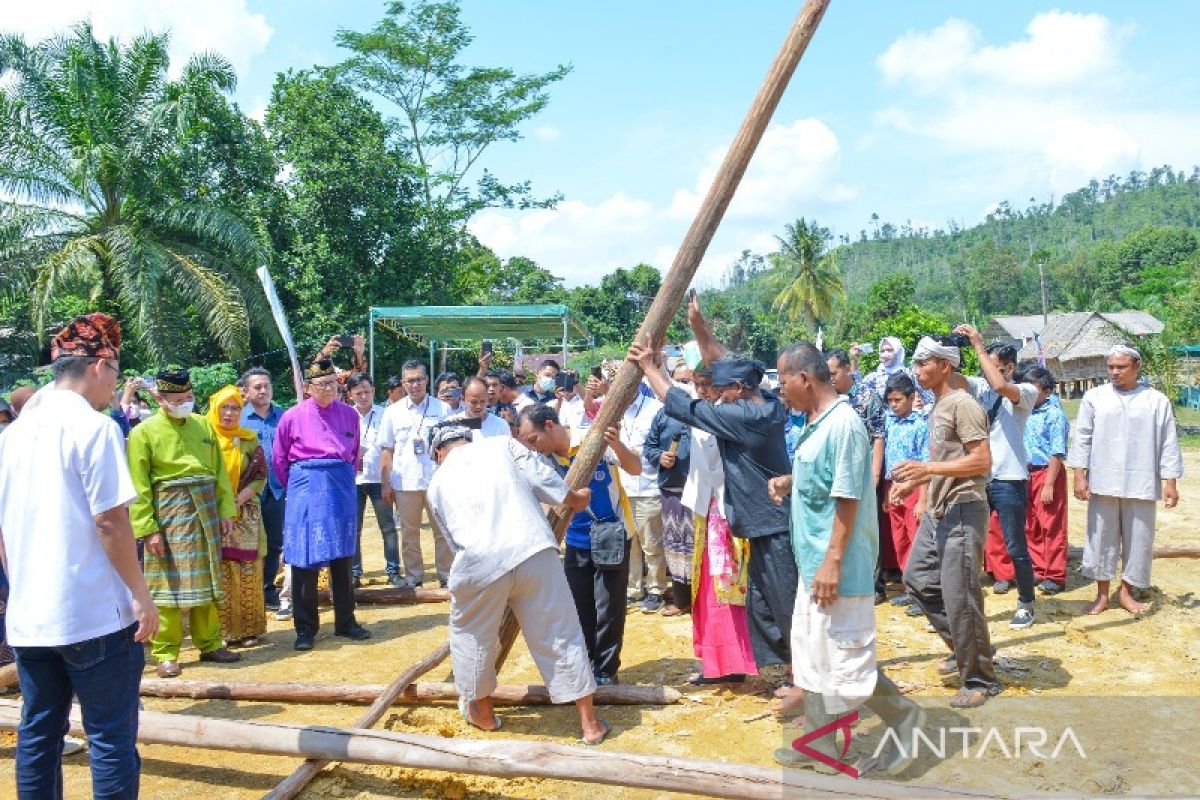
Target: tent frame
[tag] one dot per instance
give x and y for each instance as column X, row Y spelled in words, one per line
column 445, row 324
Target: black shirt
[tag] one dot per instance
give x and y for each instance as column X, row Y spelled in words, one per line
column 750, row 438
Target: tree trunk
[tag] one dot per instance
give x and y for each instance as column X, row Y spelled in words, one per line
column 415, row 694
column 683, row 269
column 506, row 758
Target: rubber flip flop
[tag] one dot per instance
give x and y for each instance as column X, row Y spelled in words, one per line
column 603, row 736
column 466, row 715
column 969, row 698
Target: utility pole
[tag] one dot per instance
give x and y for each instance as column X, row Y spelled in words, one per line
column 1045, row 310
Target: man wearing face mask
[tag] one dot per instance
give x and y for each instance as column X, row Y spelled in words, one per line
column 185, row 505
column 542, row 390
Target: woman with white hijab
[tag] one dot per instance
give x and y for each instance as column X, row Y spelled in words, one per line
column 891, row 362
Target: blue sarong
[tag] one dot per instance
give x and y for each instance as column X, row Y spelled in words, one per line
column 320, row 521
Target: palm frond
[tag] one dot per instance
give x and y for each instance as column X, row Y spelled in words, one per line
column 75, row 260
column 219, row 305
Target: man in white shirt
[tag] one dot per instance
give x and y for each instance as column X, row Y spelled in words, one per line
column 1125, row 449
column 368, row 480
column 1008, row 406
column 647, row 563
column 475, row 397
column 78, row 606
column 405, row 469
column 495, row 485
column 567, row 402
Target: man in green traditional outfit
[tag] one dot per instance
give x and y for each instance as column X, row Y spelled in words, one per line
column 185, row 506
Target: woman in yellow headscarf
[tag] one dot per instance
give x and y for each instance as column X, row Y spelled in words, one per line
column 242, row 612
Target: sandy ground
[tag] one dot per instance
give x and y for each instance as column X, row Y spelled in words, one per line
column 1067, row 670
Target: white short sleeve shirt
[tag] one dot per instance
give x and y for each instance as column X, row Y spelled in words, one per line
column 405, row 429
column 61, row 464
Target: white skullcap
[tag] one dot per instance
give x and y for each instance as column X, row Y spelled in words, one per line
column 1125, row 350
column 928, row 347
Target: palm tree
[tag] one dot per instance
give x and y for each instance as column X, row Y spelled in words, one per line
column 85, row 128
column 814, row 280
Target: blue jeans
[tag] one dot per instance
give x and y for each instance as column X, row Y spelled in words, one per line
column 272, row 513
column 104, row 673
column 387, row 527
column 1009, row 500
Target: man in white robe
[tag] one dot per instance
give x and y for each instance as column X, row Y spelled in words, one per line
column 485, row 497
column 1125, row 449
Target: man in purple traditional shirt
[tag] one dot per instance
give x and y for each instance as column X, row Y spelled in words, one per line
column 315, row 455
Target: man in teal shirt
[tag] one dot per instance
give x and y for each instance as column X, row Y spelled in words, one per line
column 835, row 536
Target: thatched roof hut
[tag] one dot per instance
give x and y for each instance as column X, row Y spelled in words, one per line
column 1076, row 344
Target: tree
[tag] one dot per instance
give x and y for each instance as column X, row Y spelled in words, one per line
column 449, row 114
column 84, row 130
column 814, row 281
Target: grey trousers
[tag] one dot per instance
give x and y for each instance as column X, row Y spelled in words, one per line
column 1119, row 527
column 943, row 577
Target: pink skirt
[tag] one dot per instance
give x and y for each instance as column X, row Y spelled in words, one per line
column 720, row 633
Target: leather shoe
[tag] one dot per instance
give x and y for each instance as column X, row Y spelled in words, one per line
column 167, row 669
column 357, row 632
column 303, row 643
column 222, row 655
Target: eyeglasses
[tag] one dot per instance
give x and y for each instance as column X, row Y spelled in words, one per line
column 110, row 366
column 415, row 381
column 324, row 386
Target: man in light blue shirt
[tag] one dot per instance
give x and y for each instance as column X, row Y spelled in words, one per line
column 835, row 536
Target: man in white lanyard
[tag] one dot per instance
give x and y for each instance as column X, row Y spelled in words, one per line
column 647, row 563
column 370, row 416
column 405, row 469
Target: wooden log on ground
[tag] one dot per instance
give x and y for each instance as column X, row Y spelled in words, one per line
column 416, row 694
column 508, row 758
column 8, row 676
column 666, row 303
column 1176, row 552
column 390, row 595
column 295, row 783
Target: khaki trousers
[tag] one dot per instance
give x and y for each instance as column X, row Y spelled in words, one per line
column 409, row 506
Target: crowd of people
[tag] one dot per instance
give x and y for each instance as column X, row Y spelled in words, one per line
column 776, row 517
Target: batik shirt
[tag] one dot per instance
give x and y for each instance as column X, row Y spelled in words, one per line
column 791, row 432
column 907, row 440
column 1046, row 434
column 869, row 407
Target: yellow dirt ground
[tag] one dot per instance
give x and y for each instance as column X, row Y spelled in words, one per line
column 1063, row 658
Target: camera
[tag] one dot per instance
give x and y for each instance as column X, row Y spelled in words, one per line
column 346, row 340
column 951, row 340
column 565, row 381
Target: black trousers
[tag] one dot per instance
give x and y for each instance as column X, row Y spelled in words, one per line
column 304, row 597
column 771, row 598
column 272, row 516
column 600, row 601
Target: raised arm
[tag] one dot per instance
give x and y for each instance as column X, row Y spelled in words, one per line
column 991, row 373
column 710, row 348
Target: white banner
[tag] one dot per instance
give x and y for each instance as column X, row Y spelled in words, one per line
column 286, row 332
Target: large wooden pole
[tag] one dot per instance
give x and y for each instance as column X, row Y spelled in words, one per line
column 508, row 758
column 362, row 694
column 392, row 596
column 670, row 295
column 295, row 783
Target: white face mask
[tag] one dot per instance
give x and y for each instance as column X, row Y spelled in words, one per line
column 181, row 411
column 546, row 384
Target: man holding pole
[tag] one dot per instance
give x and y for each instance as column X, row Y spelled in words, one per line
column 492, row 485
column 748, row 424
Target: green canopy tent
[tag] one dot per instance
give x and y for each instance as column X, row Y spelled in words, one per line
column 518, row 324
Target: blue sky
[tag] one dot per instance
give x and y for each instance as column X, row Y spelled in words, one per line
column 924, row 111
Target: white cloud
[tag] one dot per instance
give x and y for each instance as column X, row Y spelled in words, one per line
column 547, row 133
column 794, row 173
column 1060, row 49
column 1054, row 108
column 223, row 26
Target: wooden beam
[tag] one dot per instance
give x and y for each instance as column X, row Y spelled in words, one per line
column 1176, row 552
column 687, row 260
column 295, row 783
column 508, row 758
column 416, row 693
column 387, row 596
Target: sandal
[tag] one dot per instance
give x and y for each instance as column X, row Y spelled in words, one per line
column 603, row 736
column 969, row 698
column 700, row 680
column 464, row 709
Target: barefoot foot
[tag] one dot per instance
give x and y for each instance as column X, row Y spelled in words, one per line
column 1097, row 607
column 1125, row 598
